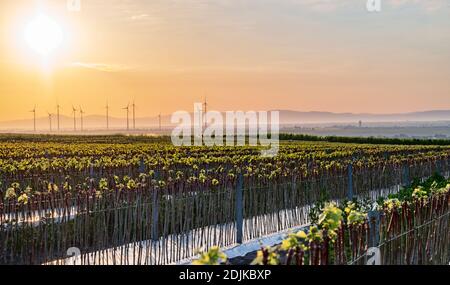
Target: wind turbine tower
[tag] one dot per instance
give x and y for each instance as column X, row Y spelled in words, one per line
column 74, row 118
column 50, row 121
column 159, row 117
column 57, row 114
column 34, row 118
column 107, row 116
column 128, row 116
column 205, row 106
column 134, row 115
column 81, row 117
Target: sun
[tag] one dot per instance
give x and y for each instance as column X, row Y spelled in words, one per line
column 43, row 35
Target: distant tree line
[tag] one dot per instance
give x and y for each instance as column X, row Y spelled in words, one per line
column 365, row 140
column 120, row 138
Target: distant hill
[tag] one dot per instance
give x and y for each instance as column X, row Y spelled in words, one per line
column 296, row 117
column 286, row 117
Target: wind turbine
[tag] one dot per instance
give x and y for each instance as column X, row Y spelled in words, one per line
column 34, row 117
column 205, row 106
column 50, row 120
column 159, row 118
column 134, row 115
column 58, row 107
column 74, row 118
column 128, row 116
column 107, row 115
column 81, row 116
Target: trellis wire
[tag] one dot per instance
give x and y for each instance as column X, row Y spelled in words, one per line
column 134, row 228
column 442, row 235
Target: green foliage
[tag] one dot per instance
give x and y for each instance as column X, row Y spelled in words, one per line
column 103, row 184
column 10, row 193
column 356, row 218
column 267, row 256
column 212, row 257
column 23, row 199
column 330, row 219
column 419, row 190
column 295, row 240
column 316, row 210
column 355, row 212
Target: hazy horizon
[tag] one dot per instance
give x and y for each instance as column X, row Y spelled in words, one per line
column 97, row 122
column 122, row 115
column 301, row 55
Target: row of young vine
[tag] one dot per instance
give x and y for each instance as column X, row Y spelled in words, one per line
column 411, row 227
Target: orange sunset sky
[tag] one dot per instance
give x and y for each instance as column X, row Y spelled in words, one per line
column 243, row 55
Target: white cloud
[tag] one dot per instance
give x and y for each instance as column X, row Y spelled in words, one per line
column 100, row 66
column 427, row 5
column 332, row 5
column 322, row 5
column 139, row 17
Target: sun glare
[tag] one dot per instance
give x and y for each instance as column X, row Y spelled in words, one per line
column 43, row 35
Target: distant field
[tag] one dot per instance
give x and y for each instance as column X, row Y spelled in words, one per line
column 28, row 154
column 419, row 131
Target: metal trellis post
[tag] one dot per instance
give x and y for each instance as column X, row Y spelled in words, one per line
column 239, row 210
column 406, row 181
column 142, row 165
column 374, row 225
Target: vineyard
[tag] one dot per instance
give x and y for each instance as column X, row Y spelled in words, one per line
column 140, row 200
column 407, row 228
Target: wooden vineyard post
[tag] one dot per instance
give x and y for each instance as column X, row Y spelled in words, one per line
column 155, row 215
column 239, row 210
column 155, row 211
column 350, row 182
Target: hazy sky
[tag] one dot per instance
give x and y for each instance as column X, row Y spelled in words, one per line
column 321, row 55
